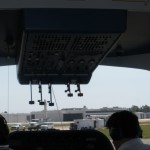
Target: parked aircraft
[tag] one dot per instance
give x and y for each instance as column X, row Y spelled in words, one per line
column 62, row 42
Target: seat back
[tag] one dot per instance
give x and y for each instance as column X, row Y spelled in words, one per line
column 59, row 140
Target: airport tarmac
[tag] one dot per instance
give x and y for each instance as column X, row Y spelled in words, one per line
column 146, row 141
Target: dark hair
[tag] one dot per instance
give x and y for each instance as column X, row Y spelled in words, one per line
column 4, row 131
column 125, row 123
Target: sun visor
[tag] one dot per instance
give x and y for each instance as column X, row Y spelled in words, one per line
column 66, row 45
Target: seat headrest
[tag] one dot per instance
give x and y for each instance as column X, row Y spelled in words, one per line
column 59, row 140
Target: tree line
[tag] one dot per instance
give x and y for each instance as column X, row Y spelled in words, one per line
column 144, row 108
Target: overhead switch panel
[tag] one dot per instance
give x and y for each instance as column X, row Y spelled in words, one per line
column 66, row 45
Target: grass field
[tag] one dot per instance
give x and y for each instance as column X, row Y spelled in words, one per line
column 144, row 125
column 145, row 129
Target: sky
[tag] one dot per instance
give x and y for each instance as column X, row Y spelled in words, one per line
column 108, row 87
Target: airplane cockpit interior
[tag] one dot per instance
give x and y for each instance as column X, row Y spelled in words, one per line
column 57, row 42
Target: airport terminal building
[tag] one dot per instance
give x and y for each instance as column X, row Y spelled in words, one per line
column 66, row 114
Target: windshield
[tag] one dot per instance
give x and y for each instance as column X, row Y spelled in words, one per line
column 109, row 87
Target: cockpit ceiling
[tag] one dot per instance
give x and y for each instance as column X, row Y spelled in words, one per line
column 136, row 39
column 136, row 5
column 133, row 48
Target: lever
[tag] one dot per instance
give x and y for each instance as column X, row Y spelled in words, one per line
column 41, row 102
column 31, row 101
column 79, row 90
column 50, row 92
column 69, row 90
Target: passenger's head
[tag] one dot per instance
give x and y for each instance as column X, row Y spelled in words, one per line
column 123, row 125
column 4, row 131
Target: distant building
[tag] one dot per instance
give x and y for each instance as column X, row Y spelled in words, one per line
column 15, row 117
column 68, row 114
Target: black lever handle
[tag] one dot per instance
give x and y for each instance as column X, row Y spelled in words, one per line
column 31, row 101
column 50, row 92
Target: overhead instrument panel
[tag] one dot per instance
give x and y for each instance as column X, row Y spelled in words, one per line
column 62, row 46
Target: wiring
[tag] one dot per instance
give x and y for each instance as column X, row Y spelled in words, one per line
column 57, row 108
column 8, row 96
column 8, row 59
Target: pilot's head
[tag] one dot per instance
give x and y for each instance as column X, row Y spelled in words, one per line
column 4, row 131
column 123, row 126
